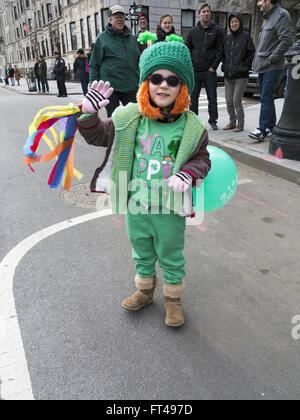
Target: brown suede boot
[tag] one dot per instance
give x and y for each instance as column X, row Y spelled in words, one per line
column 143, row 296
column 229, row 126
column 174, row 314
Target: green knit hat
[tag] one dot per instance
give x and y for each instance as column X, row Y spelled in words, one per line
column 173, row 56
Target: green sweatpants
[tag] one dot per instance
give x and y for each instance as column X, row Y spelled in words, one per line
column 157, row 237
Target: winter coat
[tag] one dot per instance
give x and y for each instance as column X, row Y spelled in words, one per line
column 60, row 69
column 36, row 69
column 275, row 38
column 239, row 51
column 80, row 68
column 115, row 58
column 42, row 69
column 17, row 75
column 161, row 34
column 10, row 72
column 206, row 46
column 102, row 133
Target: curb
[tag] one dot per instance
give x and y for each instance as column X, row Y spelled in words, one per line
column 36, row 94
column 256, row 161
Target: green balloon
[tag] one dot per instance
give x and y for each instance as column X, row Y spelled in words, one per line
column 220, row 184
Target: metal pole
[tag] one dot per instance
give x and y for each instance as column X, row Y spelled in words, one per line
column 286, row 137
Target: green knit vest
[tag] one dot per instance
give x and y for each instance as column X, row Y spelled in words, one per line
column 126, row 120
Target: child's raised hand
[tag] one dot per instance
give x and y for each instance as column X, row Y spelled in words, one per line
column 180, row 182
column 97, row 97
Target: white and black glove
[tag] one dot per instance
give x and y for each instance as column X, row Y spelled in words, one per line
column 180, row 182
column 97, row 96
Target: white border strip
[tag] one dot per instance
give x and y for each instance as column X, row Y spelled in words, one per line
column 15, row 381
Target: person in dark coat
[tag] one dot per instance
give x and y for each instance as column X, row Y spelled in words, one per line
column 80, row 69
column 115, row 59
column 165, row 28
column 36, row 74
column 11, row 75
column 60, row 73
column 42, row 72
column 205, row 42
column 6, row 76
column 143, row 26
column 239, row 51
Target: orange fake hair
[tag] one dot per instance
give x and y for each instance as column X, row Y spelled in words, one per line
column 147, row 110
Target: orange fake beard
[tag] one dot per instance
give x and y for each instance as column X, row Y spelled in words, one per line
column 147, row 110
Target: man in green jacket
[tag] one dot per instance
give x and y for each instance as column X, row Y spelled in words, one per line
column 42, row 72
column 115, row 58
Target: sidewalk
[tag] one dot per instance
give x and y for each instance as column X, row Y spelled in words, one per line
column 238, row 145
column 73, row 88
column 246, row 150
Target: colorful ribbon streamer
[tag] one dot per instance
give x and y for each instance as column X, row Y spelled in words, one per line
column 63, row 151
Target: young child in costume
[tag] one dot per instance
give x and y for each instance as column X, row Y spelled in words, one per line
column 157, row 141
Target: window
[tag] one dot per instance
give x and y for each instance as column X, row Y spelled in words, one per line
column 52, row 46
column 43, row 15
column 28, row 53
column 27, row 4
column 66, row 33
column 187, row 22
column 63, row 43
column 89, row 32
column 220, row 19
column 15, row 13
column 59, row 7
column 47, row 47
column 247, row 22
column 49, row 12
column 73, row 36
column 96, row 24
column 18, row 33
column 43, row 49
column 82, row 34
column 40, row 18
column 104, row 17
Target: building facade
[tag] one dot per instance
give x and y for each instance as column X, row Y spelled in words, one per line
column 29, row 28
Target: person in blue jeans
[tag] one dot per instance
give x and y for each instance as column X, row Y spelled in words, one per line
column 276, row 36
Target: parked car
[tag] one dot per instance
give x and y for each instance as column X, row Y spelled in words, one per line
column 253, row 88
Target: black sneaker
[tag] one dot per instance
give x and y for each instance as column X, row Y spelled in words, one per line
column 257, row 135
column 214, row 126
column 64, row 96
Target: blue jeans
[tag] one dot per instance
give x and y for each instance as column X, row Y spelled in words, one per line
column 45, row 85
column 267, row 86
column 85, row 86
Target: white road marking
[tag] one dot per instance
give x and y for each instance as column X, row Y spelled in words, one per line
column 15, row 381
column 244, row 181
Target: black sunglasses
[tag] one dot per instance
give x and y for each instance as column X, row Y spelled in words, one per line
column 157, row 79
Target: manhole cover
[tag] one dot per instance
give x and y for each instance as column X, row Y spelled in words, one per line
column 80, row 196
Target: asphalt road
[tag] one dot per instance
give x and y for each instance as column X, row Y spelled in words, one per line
column 241, row 296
